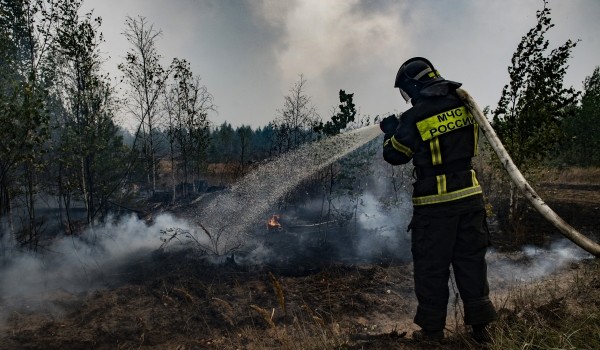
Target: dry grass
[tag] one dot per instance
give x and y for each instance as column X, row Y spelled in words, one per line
column 278, row 289
column 556, row 314
column 203, row 308
column 572, row 175
column 562, row 312
column 306, row 331
column 246, row 313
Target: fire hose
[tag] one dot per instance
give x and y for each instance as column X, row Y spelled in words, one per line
column 522, row 184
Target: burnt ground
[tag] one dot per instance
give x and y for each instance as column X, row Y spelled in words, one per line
column 179, row 300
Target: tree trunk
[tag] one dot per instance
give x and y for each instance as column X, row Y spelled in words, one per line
column 33, row 239
column 5, row 208
column 520, row 182
column 84, row 189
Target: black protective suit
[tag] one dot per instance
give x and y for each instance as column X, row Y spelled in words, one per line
column 448, row 225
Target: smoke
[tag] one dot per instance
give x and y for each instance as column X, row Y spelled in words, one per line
column 534, row 263
column 334, row 44
column 359, row 230
column 79, row 264
column 334, row 29
column 382, row 231
column 366, row 225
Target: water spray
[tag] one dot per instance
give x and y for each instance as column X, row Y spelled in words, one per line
column 230, row 216
column 522, row 184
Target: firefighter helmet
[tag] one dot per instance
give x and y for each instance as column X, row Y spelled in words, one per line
column 414, row 75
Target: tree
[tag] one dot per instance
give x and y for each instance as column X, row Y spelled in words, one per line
column 188, row 115
column 338, row 122
column 244, row 134
column 534, row 103
column 582, row 146
column 341, row 119
column 146, row 77
column 262, row 142
column 25, row 31
column 221, row 144
column 88, row 144
column 222, row 150
column 293, row 127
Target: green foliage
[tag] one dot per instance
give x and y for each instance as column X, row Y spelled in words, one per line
column 221, row 144
column 23, row 114
column 340, row 120
column 226, row 143
column 14, row 43
column 24, row 125
column 86, row 130
column 533, row 105
column 262, row 142
column 582, row 145
column 187, row 105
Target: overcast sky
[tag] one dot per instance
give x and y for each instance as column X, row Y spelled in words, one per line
column 249, row 53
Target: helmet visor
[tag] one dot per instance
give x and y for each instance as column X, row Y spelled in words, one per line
column 404, row 95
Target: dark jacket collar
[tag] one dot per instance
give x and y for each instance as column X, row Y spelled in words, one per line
column 438, row 88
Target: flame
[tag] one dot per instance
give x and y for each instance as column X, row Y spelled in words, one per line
column 273, row 222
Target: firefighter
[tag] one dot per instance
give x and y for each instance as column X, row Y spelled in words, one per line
column 448, row 225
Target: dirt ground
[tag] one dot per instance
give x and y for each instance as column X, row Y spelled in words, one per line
column 179, row 300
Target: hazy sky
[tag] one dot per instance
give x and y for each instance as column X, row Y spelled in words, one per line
column 249, row 53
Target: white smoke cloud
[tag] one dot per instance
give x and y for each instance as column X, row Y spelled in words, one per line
column 77, row 264
column 331, row 38
column 321, row 32
column 534, row 263
column 383, row 230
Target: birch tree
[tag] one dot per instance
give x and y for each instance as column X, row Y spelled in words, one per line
column 146, row 78
column 294, row 124
column 582, row 145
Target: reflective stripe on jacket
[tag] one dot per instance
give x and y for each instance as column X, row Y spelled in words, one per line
column 440, row 136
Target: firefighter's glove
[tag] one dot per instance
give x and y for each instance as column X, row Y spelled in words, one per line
column 389, row 124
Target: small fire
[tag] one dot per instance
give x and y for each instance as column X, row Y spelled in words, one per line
column 273, row 223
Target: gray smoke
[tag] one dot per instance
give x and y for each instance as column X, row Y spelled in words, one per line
column 77, row 264
column 384, row 228
column 365, row 225
column 534, row 263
